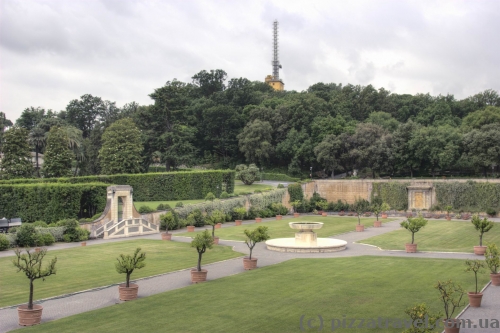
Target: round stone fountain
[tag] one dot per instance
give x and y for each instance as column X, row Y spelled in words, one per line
column 306, row 240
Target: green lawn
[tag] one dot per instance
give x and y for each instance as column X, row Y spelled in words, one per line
column 154, row 204
column 281, row 229
column 446, row 236
column 273, row 298
column 239, row 187
column 93, row 266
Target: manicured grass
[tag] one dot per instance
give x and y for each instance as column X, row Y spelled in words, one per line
column 94, row 266
column 273, row 298
column 281, row 229
column 446, row 236
column 154, row 204
column 239, row 187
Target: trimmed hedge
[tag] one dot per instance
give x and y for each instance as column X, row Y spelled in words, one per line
column 470, row 196
column 296, row 192
column 51, row 202
column 188, row 185
column 279, row 177
column 393, row 193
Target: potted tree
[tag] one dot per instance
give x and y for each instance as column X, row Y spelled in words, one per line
column 166, row 220
column 126, row 265
column 493, row 262
column 482, row 226
column 448, row 210
column 190, row 222
column 217, row 216
column 258, row 218
column 413, row 225
column 295, row 204
column 240, row 213
column 376, row 208
column 475, row 266
column 201, row 242
column 30, row 263
column 360, row 206
column 253, row 237
column 323, row 204
column 451, row 295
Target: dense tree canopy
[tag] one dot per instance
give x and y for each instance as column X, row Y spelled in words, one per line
column 219, row 122
column 16, row 159
column 58, row 156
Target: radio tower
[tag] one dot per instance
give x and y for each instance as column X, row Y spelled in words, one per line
column 274, row 80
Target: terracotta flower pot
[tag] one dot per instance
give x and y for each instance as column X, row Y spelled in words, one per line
column 258, row 219
column 278, row 217
column 37, row 249
column 411, row 248
column 341, row 214
column 451, row 325
column 29, row 317
column 197, row 277
column 216, row 240
column 84, row 243
column 475, row 299
column 237, row 222
column 218, row 226
column 384, row 215
column 320, row 212
column 324, row 214
column 128, row 294
column 166, row 236
column 479, row 250
column 249, row 263
column 377, row 224
column 360, row 227
column 448, row 218
column 495, row 279
column 190, row 228
column 296, row 214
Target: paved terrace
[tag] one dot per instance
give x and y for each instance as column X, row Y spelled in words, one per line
column 74, row 303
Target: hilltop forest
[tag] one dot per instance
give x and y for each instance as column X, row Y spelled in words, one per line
column 333, row 128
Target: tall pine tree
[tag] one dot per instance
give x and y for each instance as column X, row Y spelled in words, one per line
column 58, row 156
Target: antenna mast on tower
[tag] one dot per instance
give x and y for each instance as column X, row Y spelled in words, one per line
column 275, row 62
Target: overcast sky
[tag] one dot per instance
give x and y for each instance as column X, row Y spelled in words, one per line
column 56, row 51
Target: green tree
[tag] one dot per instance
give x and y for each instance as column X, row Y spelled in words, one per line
column 85, row 113
column 479, row 118
column 413, row 225
column 255, row 141
column 404, row 156
column 368, row 147
column 30, row 117
column 127, row 264
column 37, row 140
column 211, row 82
column 482, row 226
column 384, row 120
column 327, row 152
column 16, row 161
column 247, row 174
column 121, row 148
column 257, row 235
column 4, row 123
column 58, row 156
column 482, row 147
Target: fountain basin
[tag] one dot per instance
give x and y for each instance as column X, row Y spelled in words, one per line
column 308, row 226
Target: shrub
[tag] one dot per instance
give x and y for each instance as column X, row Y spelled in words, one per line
column 145, row 209
column 252, row 213
column 47, row 239
column 26, row 235
column 56, row 232
column 40, row 224
column 315, row 201
column 224, row 195
column 210, row 197
column 199, row 219
column 281, row 186
column 163, row 207
column 239, row 213
column 179, row 204
column 257, row 191
column 72, row 231
column 13, row 230
column 4, row 242
column 247, row 174
column 491, row 212
column 169, row 221
column 295, row 191
column 278, row 209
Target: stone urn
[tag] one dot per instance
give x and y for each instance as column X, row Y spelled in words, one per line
column 377, row 224
column 479, row 250
column 166, row 236
column 128, row 293
column 198, row 276
column 411, row 248
column 238, row 222
column 29, row 317
column 249, row 264
column 360, row 227
column 190, row 228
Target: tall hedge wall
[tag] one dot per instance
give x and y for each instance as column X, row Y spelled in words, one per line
column 157, row 186
column 51, row 202
column 470, row 196
column 393, row 193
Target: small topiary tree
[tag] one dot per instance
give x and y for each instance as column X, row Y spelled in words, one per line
column 413, row 225
column 217, row 216
column 451, row 295
column 481, row 225
column 376, row 206
column 255, row 236
column 169, row 220
column 202, row 242
column 30, row 263
column 145, row 209
column 359, row 207
column 224, row 195
column 423, row 313
column 210, row 197
column 448, row 210
column 127, row 264
column 475, row 266
column 179, row 204
column 240, row 212
column 295, row 204
column 492, row 258
column 385, row 207
column 247, row 174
